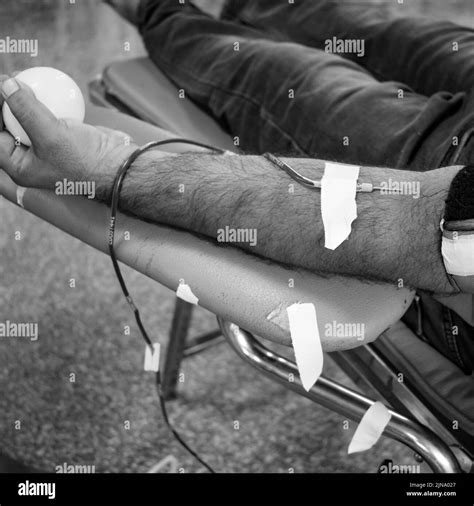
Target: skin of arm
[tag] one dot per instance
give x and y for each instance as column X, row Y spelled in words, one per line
column 394, row 238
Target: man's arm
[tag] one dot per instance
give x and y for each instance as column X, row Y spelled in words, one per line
column 395, row 237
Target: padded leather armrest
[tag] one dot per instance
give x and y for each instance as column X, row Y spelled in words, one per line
column 229, row 282
column 151, row 96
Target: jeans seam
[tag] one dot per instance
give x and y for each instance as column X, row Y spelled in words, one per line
column 451, row 338
column 371, row 69
column 264, row 112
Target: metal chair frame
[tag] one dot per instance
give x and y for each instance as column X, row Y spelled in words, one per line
column 427, row 444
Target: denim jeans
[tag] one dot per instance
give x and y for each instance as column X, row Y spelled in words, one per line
column 352, row 82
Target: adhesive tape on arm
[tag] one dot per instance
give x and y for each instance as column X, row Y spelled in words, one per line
column 338, row 202
column 20, row 193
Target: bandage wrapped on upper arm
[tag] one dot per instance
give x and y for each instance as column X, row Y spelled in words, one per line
column 457, row 245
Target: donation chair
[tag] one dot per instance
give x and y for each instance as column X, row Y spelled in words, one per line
column 242, row 289
column 434, row 396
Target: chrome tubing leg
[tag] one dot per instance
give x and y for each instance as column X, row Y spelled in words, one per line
column 340, row 399
column 175, row 349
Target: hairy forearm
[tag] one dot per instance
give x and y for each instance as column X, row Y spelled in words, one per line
column 395, row 238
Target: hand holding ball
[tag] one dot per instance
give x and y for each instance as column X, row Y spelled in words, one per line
column 56, row 90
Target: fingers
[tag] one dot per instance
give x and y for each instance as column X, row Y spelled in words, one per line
column 6, row 183
column 3, row 77
column 7, row 147
column 11, row 156
column 36, row 119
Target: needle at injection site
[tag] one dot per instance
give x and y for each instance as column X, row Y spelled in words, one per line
column 311, row 183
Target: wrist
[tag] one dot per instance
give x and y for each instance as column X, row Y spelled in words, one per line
column 105, row 174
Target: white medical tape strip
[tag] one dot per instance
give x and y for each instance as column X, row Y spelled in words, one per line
column 184, row 292
column 306, row 342
column 338, row 202
column 20, row 192
column 458, row 254
column 152, row 358
column 370, row 428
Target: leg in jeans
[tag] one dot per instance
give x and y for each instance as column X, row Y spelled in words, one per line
column 426, row 54
column 283, row 96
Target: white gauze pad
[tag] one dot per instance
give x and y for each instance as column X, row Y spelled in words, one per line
column 338, row 202
column 370, row 428
column 458, row 253
column 306, row 342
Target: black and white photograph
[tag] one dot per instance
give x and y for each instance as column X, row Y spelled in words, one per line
column 237, row 252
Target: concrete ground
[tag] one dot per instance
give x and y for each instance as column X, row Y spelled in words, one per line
column 81, row 328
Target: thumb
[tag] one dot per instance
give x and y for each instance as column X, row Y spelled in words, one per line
column 36, row 119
